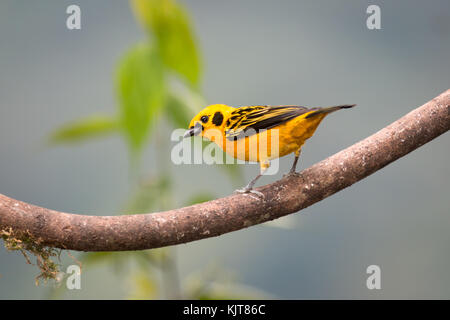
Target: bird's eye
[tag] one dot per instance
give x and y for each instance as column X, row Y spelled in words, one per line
column 204, row 119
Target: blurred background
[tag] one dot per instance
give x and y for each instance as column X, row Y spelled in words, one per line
column 86, row 117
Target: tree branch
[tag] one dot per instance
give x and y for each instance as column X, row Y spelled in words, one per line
column 289, row 195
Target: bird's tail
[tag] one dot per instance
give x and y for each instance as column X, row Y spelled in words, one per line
column 329, row 109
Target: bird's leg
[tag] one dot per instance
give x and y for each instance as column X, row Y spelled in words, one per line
column 294, row 165
column 249, row 187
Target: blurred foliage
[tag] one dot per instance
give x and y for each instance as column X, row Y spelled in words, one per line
column 159, row 77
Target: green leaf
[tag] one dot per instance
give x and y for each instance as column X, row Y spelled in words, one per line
column 181, row 105
column 141, row 92
column 169, row 23
column 148, row 195
column 84, row 129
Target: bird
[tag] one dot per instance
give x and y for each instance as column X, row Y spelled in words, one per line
column 282, row 129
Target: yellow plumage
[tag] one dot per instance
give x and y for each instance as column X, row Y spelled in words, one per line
column 259, row 133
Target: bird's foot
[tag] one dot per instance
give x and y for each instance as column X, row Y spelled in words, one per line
column 250, row 191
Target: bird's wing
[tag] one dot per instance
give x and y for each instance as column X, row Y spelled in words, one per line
column 245, row 121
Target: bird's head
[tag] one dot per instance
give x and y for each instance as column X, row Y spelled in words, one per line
column 212, row 117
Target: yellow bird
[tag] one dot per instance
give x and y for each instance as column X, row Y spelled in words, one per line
column 259, row 133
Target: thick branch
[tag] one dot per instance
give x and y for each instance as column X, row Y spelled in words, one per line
column 289, row 195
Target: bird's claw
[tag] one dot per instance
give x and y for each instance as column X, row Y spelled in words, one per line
column 245, row 191
column 291, row 173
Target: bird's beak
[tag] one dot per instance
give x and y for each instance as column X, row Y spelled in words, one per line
column 195, row 131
